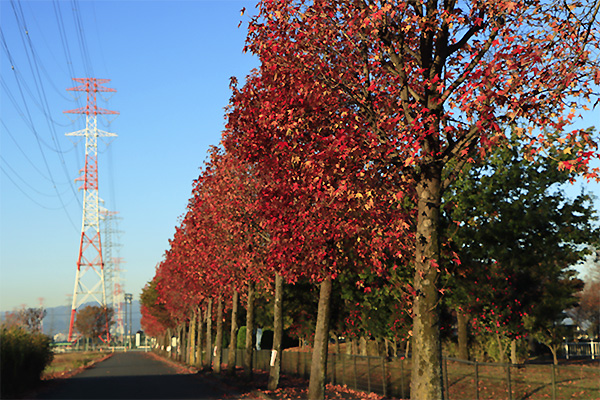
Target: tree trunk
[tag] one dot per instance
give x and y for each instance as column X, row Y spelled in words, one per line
column 234, row 330
column 219, row 338
column 180, row 341
column 209, row 353
column 249, row 332
column 185, row 343
column 318, row 369
column 463, row 345
column 513, row 352
column 501, row 348
column 277, row 335
column 554, row 350
column 189, row 350
column 426, row 377
column 394, row 347
column 199, row 359
column 169, row 340
column 349, row 346
column 192, row 340
column 362, row 346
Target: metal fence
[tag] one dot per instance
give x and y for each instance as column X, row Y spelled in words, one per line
column 463, row 380
column 582, row 349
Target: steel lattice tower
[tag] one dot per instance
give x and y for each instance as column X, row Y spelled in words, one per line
column 90, row 260
column 112, row 269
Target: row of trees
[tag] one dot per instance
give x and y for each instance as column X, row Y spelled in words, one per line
column 348, row 159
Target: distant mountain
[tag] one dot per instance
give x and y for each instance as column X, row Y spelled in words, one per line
column 58, row 318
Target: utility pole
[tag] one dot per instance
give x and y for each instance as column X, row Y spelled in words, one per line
column 125, row 327
column 90, row 260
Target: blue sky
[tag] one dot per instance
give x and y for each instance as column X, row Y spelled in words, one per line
column 170, row 62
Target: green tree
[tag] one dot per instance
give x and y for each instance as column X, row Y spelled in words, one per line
column 94, row 321
column 518, row 234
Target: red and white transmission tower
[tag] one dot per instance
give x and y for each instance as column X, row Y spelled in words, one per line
column 90, row 260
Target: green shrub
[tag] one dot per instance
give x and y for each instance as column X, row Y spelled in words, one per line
column 241, row 338
column 23, row 357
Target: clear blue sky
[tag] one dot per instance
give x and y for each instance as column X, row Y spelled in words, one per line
column 170, row 62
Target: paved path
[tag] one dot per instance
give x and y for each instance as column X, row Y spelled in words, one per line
column 133, row 375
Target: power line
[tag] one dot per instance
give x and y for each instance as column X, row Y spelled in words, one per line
column 25, row 115
column 15, row 173
column 87, row 64
column 35, row 65
column 6, row 130
column 63, row 37
column 28, row 95
column 31, row 198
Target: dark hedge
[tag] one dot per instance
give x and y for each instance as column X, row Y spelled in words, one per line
column 23, row 357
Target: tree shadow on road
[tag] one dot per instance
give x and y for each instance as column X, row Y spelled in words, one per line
column 135, row 387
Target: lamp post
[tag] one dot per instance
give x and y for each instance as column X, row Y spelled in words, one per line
column 128, row 300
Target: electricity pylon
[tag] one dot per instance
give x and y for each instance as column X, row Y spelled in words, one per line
column 90, row 260
column 112, row 269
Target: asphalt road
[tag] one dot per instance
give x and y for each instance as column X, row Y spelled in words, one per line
column 133, row 375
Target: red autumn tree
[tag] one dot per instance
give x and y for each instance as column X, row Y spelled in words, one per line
column 437, row 81
column 155, row 318
column 227, row 191
column 327, row 207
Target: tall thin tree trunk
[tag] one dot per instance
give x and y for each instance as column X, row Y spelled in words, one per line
column 219, row 338
column 349, row 346
column 501, row 348
column 180, row 341
column 362, row 346
column 463, row 345
column 169, row 341
column 199, row 358
column 234, row 330
column 277, row 335
column 186, row 343
column 192, row 340
column 426, row 377
column 186, row 338
column 318, row 369
column 249, row 332
column 209, row 353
